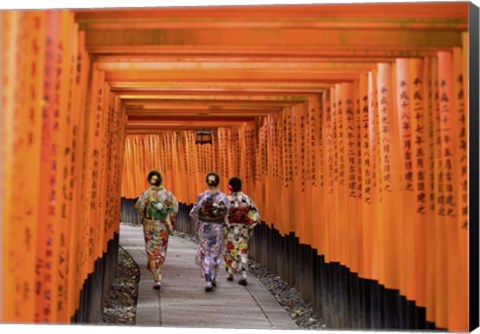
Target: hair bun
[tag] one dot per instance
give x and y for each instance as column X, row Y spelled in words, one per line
column 154, row 178
column 235, row 183
column 212, row 179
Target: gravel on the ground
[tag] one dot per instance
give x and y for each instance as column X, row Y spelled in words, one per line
column 121, row 304
column 300, row 310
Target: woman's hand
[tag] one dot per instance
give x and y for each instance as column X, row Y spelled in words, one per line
column 169, row 225
column 173, row 219
column 170, row 228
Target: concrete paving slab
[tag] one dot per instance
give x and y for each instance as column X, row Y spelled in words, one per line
column 183, row 302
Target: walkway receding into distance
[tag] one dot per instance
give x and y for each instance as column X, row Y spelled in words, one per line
column 183, row 302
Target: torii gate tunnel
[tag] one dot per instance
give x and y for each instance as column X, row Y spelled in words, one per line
column 349, row 125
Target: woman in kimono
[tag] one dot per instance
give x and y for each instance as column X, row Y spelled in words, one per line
column 157, row 205
column 210, row 212
column 242, row 216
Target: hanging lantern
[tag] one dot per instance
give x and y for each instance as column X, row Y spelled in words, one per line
column 203, row 137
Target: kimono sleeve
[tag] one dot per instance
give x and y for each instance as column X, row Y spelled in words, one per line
column 173, row 204
column 196, row 207
column 140, row 204
column 253, row 214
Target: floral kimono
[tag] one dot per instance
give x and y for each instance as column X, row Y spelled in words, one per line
column 156, row 204
column 210, row 211
column 243, row 216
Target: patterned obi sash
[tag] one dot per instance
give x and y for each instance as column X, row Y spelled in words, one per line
column 210, row 220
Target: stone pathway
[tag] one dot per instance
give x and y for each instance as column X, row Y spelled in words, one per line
column 183, row 302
